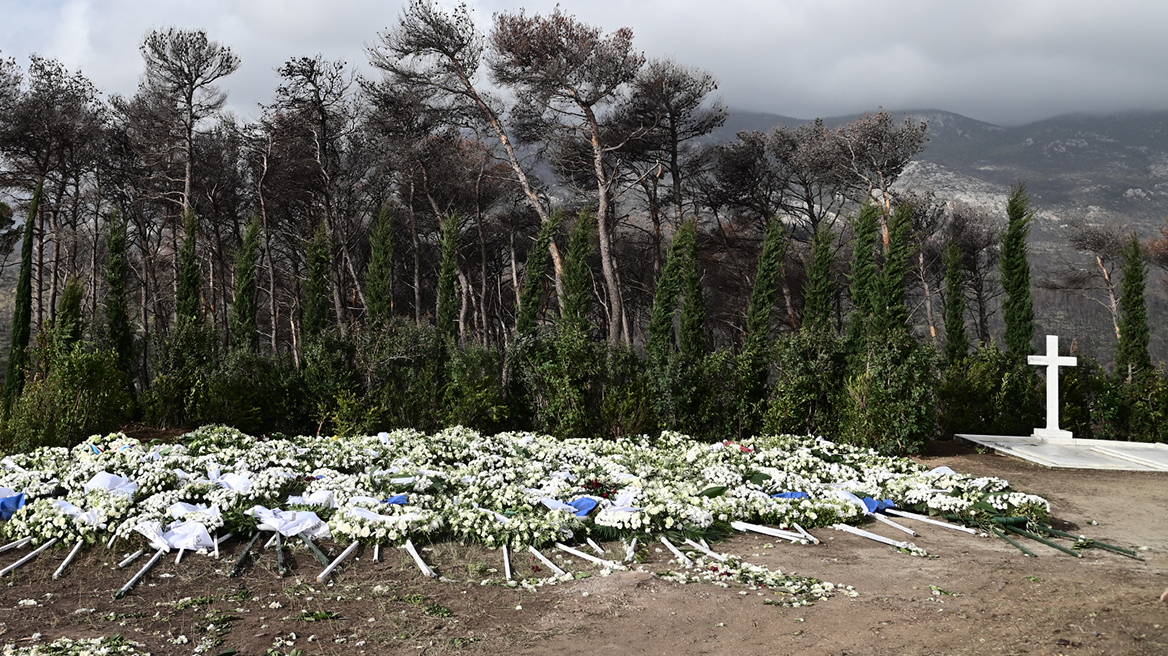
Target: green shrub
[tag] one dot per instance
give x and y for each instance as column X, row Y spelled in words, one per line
column 350, row 415
column 627, row 406
column 82, row 394
column 991, row 392
column 1134, row 410
column 402, row 368
column 1080, row 388
column 890, row 403
column 808, row 370
column 329, row 376
column 561, row 371
column 184, row 362
column 474, row 392
column 732, row 396
column 676, row 381
column 256, row 393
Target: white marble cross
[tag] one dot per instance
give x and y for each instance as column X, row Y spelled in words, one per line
column 1052, row 361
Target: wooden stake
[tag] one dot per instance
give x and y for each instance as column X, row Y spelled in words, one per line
column 507, row 562
column 341, row 558
column 804, row 533
column 871, row 536
column 1091, row 542
column 929, row 520
column 238, row 567
column 377, row 552
column 30, row 556
column 631, row 551
column 142, row 572
column 682, row 558
column 882, row 518
column 595, row 547
column 280, row 569
column 178, row 558
column 15, row 545
column 219, row 541
column 766, row 530
column 1021, row 548
column 589, row 557
column 544, row 559
column 68, row 559
column 316, row 550
column 131, row 558
column 706, row 550
column 418, row 560
column 1039, row 538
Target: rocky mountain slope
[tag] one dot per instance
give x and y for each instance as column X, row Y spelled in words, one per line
column 1098, row 168
column 1103, row 170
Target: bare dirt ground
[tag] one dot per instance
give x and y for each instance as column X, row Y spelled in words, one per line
column 979, row 596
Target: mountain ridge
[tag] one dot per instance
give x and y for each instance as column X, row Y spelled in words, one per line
column 1076, row 165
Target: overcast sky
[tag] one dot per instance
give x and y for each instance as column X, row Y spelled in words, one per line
column 1003, row 61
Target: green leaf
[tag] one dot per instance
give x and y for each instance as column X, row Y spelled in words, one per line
column 758, row 478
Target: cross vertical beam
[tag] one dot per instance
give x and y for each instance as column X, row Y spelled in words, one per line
column 1052, row 361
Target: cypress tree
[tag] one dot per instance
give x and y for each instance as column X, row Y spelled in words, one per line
column 890, row 312
column 766, row 281
column 577, row 275
column 316, row 290
column 117, row 314
column 448, row 279
column 22, row 312
column 1131, row 355
column 956, row 341
column 820, row 290
column 243, row 310
column 187, row 305
column 1018, row 308
column 692, row 335
column 533, row 272
column 863, row 280
column 69, row 326
column 379, row 272
column 665, row 300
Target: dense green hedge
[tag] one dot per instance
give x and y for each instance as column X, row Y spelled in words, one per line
column 892, row 395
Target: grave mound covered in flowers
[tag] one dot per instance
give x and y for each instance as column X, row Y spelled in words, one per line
column 516, row 489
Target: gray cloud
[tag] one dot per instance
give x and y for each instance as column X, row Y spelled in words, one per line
column 997, row 60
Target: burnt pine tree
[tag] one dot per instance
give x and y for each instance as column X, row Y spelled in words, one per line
column 1131, row 355
column 1018, row 309
column 187, row 305
column 22, row 312
column 956, row 340
column 448, row 279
